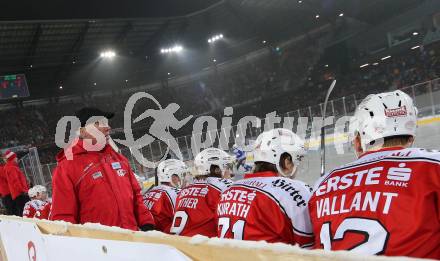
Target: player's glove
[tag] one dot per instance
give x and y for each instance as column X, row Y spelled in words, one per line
column 147, row 227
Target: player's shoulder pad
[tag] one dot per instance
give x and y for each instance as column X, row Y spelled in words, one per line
column 172, row 191
column 417, row 154
column 28, row 204
column 290, row 193
column 297, row 184
column 218, row 183
column 319, row 181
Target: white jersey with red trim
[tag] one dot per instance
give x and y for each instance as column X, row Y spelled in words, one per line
column 195, row 208
column 386, row 202
column 264, row 206
column 31, row 207
column 161, row 201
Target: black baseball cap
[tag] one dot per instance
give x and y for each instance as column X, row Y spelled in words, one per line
column 86, row 113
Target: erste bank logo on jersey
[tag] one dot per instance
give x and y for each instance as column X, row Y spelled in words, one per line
column 398, row 176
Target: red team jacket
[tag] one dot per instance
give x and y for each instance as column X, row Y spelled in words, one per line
column 196, row 205
column 386, row 202
column 161, row 200
column 264, row 206
column 97, row 187
column 16, row 180
column 32, row 207
column 4, row 188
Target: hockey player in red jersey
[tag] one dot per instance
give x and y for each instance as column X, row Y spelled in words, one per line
column 268, row 204
column 161, row 199
column 44, row 212
column 38, row 195
column 197, row 203
column 387, row 201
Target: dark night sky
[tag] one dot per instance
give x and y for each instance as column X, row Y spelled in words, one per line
column 83, row 9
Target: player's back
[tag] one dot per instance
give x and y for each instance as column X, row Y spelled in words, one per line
column 386, row 202
column 266, row 207
column 31, row 207
column 195, row 208
column 161, row 201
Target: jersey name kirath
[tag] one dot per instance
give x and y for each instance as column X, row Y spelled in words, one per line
column 239, row 203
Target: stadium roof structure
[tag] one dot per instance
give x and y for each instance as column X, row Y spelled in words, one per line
column 57, row 41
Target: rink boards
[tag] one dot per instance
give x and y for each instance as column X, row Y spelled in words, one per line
column 30, row 239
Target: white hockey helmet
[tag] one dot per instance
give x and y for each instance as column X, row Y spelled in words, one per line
column 384, row 115
column 270, row 145
column 39, row 189
column 32, row 193
column 211, row 156
column 167, row 168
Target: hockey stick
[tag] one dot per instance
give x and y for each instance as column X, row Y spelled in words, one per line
column 332, row 86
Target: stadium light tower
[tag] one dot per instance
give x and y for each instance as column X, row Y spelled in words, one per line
column 215, row 38
column 174, row 49
column 108, row 54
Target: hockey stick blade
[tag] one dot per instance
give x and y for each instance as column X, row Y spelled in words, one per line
column 330, row 90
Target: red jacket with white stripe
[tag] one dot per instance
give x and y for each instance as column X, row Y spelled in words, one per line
column 16, row 180
column 97, row 187
column 4, row 188
column 264, row 206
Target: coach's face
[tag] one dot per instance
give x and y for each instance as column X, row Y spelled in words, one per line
column 102, row 126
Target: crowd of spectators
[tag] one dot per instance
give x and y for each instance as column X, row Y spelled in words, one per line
column 281, row 79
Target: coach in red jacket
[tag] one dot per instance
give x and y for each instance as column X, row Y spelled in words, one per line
column 5, row 194
column 97, row 186
column 17, row 182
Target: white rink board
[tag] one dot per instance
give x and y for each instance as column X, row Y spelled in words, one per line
column 23, row 241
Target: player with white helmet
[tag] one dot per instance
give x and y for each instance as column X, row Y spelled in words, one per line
column 161, row 199
column 38, row 195
column 212, row 162
column 387, row 201
column 196, row 203
column 269, row 204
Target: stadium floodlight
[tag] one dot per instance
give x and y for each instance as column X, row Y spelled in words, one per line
column 214, row 60
column 215, row 38
column 364, row 65
column 326, row 65
column 415, row 47
column 264, row 41
column 126, row 80
column 61, row 87
column 174, row 49
column 94, row 83
column 300, row 1
column 386, row 57
column 376, row 63
column 415, row 33
column 341, row 14
column 108, row 54
column 317, row 16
